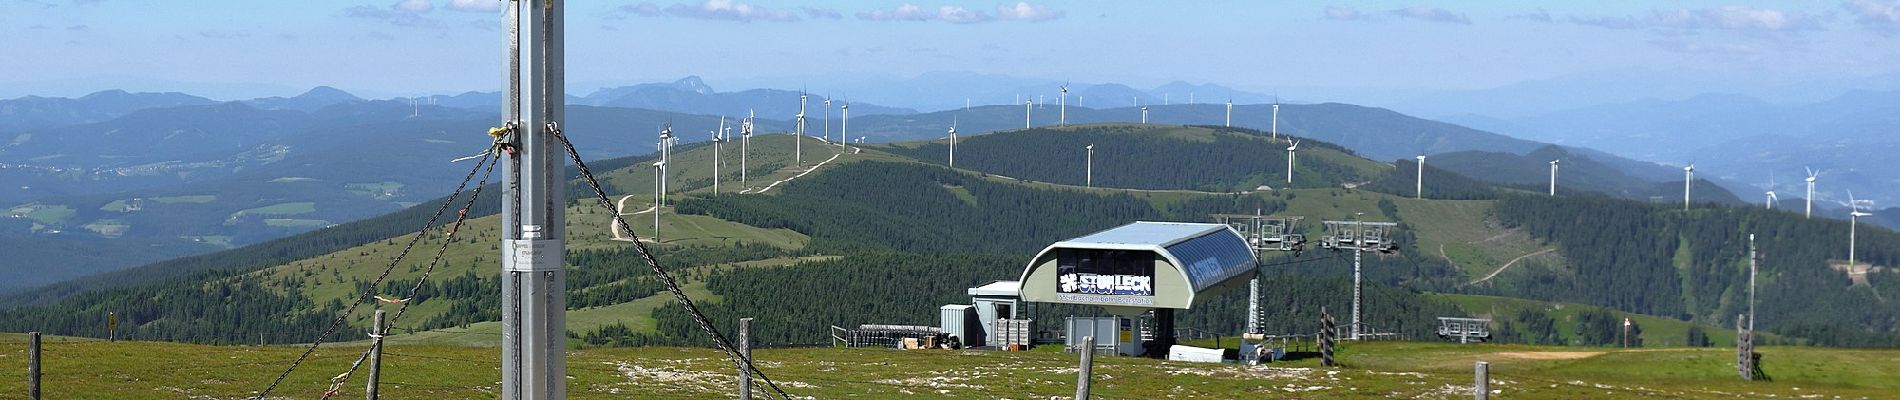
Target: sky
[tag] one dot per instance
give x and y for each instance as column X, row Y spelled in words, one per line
column 231, row 49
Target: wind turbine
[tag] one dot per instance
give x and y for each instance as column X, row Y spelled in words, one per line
column 666, row 155
column 716, row 143
column 1553, row 177
column 1027, row 107
column 828, row 118
column 1811, row 175
column 1853, row 227
column 745, row 149
column 1421, row 177
column 1688, row 181
column 1772, row 199
column 1230, row 112
column 798, row 138
column 844, row 124
column 659, row 172
column 1088, row 177
column 1274, row 130
column 1062, row 112
column 953, row 142
column 1144, row 114
column 1290, row 155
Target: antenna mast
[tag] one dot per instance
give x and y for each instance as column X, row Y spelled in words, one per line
column 534, row 280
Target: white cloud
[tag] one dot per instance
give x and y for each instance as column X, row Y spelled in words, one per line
column 475, row 5
column 1023, row 11
column 822, row 13
column 1876, row 14
column 905, row 12
column 415, row 6
column 1432, row 15
column 1734, row 18
column 1343, row 13
column 718, row 10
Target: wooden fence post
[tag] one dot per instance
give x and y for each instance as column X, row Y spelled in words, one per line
column 1481, row 387
column 376, row 333
column 745, row 353
column 33, row 366
column 1085, row 369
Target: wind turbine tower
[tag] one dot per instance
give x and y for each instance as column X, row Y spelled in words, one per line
column 828, row 118
column 1553, row 177
column 1772, row 199
column 1088, row 173
column 659, row 170
column 745, row 150
column 716, row 144
column 1027, row 107
column 1811, row 175
column 1274, row 130
column 798, row 138
column 1062, row 104
column 1144, row 114
column 1688, row 181
column 1421, row 178
column 666, row 155
column 1290, row 155
column 844, row 124
column 1853, row 225
column 953, row 142
column 1230, row 113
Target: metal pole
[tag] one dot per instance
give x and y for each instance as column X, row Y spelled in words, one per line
column 33, row 366
column 745, row 352
column 1356, row 250
column 112, row 326
column 1752, row 261
column 1085, row 369
column 1481, row 386
column 534, row 279
column 375, row 355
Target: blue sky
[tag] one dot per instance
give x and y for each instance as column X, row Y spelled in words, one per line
column 231, row 49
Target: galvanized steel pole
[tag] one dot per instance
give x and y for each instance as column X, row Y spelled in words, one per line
column 534, row 279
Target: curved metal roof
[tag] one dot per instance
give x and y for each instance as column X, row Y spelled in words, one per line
column 1207, row 253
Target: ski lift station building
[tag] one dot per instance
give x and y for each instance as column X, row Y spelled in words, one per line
column 1128, row 271
column 1141, row 266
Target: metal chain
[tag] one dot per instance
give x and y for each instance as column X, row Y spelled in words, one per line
column 725, row 345
column 338, row 321
column 460, row 218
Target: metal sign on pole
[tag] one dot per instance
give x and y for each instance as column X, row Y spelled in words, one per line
column 534, row 279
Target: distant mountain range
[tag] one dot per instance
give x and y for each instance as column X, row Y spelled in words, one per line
column 1851, row 138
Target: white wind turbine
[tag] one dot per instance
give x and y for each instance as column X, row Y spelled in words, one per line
column 1027, row 107
column 1772, row 199
column 1421, row 178
column 1290, row 155
column 666, row 155
column 953, row 142
column 1811, row 175
column 1853, row 227
column 1274, row 130
column 1230, row 113
column 1688, row 181
column 659, row 172
column 1062, row 112
column 745, row 150
column 716, row 143
column 1144, row 114
column 798, row 128
column 1088, row 172
column 1553, row 177
column 844, row 124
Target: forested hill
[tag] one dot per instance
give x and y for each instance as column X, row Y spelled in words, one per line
column 1141, row 156
column 1661, row 260
column 1577, row 173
